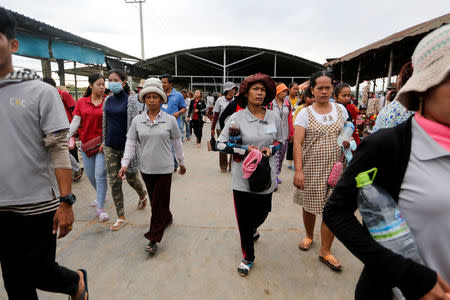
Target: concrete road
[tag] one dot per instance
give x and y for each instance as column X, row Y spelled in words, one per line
column 198, row 256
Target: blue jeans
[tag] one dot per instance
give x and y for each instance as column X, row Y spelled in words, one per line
column 188, row 127
column 96, row 172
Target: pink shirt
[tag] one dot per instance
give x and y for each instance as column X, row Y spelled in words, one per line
column 437, row 131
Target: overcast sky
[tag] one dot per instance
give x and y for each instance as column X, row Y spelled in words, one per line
column 314, row 30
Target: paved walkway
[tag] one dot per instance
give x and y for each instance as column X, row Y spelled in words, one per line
column 199, row 253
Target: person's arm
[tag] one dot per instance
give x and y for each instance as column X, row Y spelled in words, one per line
column 178, row 147
column 414, row 279
column 214, row 122
column 299, row 138
column 229, row 110
column 181, row 107
column 130, row 149
column 225, row 146
column 74, row 125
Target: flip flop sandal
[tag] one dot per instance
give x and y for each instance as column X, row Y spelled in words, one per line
column 142, row 203
column 86, row 290
column 118, row 224
column 151, row 248
column 326, row 260
column 302, row 245
column 78, row 175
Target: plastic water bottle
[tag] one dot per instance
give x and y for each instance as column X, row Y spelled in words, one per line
column 346, row 132
column 384, row 220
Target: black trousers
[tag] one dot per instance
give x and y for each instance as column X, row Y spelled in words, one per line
column 197, row 125
column 74, row 153
column 251, row 212
column 27, row 256
column 158, row 188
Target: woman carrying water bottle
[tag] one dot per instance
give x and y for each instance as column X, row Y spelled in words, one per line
column 413, row 162
column 316, row 150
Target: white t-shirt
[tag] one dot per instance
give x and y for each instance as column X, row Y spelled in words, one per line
column 210, row 101
column 325, row 119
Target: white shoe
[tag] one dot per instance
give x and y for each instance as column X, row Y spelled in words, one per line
column 102, row 216
column 93, row 203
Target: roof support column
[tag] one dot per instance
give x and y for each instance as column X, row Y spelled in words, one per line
column 46, row 68
column 391, row 62
column 176, row 65
column 62, row 77
column 357, row 81
column 76, row 81
column 224, row 65
column 275, row 66
column 342, row 71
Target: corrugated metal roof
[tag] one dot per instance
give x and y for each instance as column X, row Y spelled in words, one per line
column 396, row 37
column 30, row 25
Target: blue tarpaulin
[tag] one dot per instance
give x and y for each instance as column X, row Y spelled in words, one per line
column 63, row 50
column 32, row 46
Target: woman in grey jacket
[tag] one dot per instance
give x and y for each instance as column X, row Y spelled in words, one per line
column 118, row 113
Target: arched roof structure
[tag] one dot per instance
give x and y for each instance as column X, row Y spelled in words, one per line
column 212, row 66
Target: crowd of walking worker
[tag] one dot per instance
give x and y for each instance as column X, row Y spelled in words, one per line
column 137, row 136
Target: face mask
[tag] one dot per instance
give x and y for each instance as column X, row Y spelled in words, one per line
column 115, row 87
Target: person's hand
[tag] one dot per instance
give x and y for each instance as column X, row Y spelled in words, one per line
column 251, row 147
column 188, row 119
column 123, row 172
column 212, row 133
column 346, row 144
column 63, row 219
column 176, row 115
column 440, row 291
column 71, row 142
column 196, row 110
column 100, row 149
column 266, row 151
column 182, row 170
column 299, row 180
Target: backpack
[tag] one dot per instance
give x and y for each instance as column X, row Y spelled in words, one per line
column 261, row 179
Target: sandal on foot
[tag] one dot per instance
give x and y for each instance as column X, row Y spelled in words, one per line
column 118, row 224
column 142, row 203
column 244, row 267
column 93, row 203
column 151, row 248
column 85, row 293
column 102, row 215
column 304, row 245
column 327, row 261
column 77, row 175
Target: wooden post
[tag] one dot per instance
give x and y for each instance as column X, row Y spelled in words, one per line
column 46, row 68
column 61, row 73
column 357, row 81
column 76, row 82
column 342, row 71
column 391, row 62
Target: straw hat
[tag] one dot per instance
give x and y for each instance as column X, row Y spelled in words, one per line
column 431, row 63
column 152, row 85
column 252, row 79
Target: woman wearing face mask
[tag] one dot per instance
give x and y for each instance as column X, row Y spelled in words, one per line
column 87, row 120
column 156, row 131
column 118, row 113
column 413, row 162
column 317, row 128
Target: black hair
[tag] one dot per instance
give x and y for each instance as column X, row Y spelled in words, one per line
column 338, row 88
column 169, row 78
column 49, row 80
column 7, row 24
column 123, row 76
column 312, row 80
column 92, row 78
column 292, row 84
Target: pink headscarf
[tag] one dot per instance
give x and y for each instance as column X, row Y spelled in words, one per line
column 251, row 162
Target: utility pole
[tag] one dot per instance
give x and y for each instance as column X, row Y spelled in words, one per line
column 141, row 18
